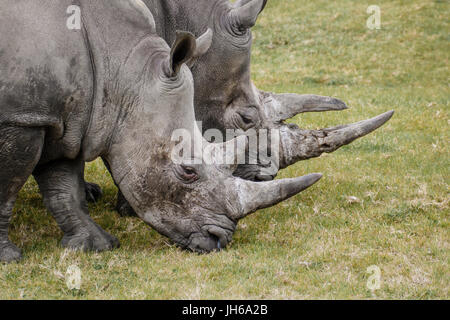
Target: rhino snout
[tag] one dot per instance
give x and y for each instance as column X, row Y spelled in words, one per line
column 215, row 239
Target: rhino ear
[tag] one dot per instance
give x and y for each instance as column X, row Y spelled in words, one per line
column 246, row 12
column 204, row 43
column 183, row 50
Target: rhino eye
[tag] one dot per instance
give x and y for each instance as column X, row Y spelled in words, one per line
column 186, row 173
column 247, row 120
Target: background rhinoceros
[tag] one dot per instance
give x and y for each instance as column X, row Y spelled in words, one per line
column 225, row 97
column 111, row 89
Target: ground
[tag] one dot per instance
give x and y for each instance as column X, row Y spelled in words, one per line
column 383, row 201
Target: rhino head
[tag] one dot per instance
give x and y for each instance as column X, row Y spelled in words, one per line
column 195, row 200
column 225, row 97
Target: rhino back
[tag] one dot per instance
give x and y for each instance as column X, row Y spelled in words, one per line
column 46, row 73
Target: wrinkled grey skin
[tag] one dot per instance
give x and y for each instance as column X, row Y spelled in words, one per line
column 113, row 90
column 225, row 97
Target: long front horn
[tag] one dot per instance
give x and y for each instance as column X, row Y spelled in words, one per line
column 280, row 107
column 259, row 195
column 297, row 144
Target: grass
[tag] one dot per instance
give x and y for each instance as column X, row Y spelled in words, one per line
column 384, row 200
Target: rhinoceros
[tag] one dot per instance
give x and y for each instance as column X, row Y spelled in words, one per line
column 225, row 97
column 112, row 89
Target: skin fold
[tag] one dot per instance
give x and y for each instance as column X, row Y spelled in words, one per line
column 113, row 89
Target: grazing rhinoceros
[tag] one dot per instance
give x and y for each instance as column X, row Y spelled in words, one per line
column 112, row 89
column 225, row 97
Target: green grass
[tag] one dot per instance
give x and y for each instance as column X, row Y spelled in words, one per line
column 318, row 244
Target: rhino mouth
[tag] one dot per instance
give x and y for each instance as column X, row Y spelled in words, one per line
column 252, row 172
column 210, row 239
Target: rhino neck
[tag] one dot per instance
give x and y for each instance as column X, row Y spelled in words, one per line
column 112, row 30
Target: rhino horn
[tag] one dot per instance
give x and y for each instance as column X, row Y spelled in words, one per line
column 259, row 195
column 280, row 107
column 300, row 144
column 245, row 13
